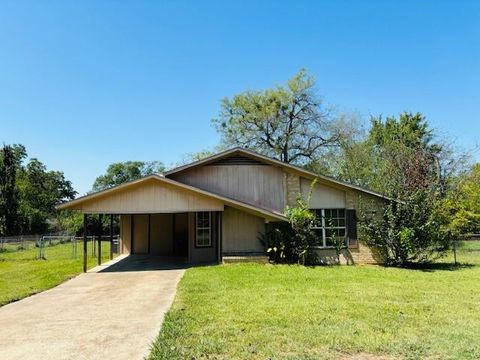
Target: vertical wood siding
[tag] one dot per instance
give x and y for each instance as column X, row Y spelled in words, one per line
column 260, row 185
column 140, row 234
column 151, row 197
column 161, row 234
column 125, row 233
column 241, row 231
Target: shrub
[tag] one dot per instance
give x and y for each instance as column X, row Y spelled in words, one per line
column 292, row 242
column 407, row 232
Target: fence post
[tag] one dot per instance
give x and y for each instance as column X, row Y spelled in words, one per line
column 455, row 251
column 99, row 259
column 111, row 236
column 84, row 243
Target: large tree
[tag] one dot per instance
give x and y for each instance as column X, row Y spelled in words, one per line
column 40, row 190
column 119, row 173
column 290, row 123
column 401, row 159
column 396, row 156
column 28, row 193
column 11, row 157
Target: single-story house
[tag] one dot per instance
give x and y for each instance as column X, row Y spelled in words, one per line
column 216, row 208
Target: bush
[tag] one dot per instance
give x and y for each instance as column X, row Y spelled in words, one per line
column 410, row 231
column 292, row 242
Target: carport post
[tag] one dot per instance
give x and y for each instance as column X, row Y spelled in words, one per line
column 111, row 236
column 99, row 261
column 84, row 242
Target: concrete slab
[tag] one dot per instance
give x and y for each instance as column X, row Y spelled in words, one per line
column 111, row 312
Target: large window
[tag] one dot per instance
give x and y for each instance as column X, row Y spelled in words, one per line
column 203, row 236
column 330, row 224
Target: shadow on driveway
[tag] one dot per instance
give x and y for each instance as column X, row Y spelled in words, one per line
column 146, row 263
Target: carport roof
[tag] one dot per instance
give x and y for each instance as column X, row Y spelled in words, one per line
column 76, row 204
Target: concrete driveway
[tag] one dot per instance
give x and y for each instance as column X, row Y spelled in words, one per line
column 111, row 312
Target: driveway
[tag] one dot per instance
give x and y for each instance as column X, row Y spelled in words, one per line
column 112, row 312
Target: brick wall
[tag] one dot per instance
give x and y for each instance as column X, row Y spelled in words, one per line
column 293, row 188
column 363, row 254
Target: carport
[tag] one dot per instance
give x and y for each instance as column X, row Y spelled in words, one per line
column 163, row 217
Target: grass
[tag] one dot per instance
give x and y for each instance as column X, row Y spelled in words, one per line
column 251, row 311
column 21, row 274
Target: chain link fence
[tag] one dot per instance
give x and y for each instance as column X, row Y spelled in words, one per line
column 59, row 247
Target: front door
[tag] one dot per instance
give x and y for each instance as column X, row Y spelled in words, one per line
column 180, row 235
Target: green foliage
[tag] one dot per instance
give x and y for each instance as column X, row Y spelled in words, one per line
column 119, row 173
column 11, row 157
column 462, row 204
column 28, row 193
column 71, row 222
column 301, row 220
column 40, row 190
column 289, row 122
column 292, row 242
column 395, row 157
column 407, row 232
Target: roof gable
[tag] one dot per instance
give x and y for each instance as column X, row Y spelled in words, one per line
column 241, row 153
column 157, row 194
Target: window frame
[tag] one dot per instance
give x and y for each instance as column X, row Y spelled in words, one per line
column 323, row 227
column 209, row 228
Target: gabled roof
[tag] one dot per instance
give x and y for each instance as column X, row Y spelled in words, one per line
column 267, row 214
column 268, row 160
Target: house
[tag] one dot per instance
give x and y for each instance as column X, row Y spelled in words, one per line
column 216, row 208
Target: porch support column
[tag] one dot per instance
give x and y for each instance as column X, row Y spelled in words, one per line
column 132, row 224
column 99, row 261
column 149, row 231
column 84, row 242
column 111, row 236
column 219, row 237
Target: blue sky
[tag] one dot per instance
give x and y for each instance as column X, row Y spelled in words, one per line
column 84, row 84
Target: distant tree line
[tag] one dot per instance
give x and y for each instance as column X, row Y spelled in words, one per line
column 29, row 193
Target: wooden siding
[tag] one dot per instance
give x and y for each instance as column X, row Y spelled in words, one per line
column 323, row 196
column 259, row 185
column 241, row 231
column 161, row 234
column 140, row 234
column 150, row 197
column 125, row 226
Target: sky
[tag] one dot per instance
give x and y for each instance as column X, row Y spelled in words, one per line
column 87, row 83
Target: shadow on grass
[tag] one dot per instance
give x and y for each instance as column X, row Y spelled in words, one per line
column 431, row 267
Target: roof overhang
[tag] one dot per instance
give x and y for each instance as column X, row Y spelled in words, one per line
column 157, row 194
column 287, row 167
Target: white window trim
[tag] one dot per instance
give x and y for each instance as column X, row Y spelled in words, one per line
column 324, row 229
column 209, row 228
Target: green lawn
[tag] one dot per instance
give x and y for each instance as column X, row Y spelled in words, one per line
column 21, row 274
column 249, row 311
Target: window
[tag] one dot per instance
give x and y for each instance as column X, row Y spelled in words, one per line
column 203, row 228
column 330, row 223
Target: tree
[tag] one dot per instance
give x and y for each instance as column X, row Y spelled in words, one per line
column 40, row 191
column 289, row 122
column 11, row 157
column 396, row 156
column 119, row 173
column 404, row 162
column 462, row 204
